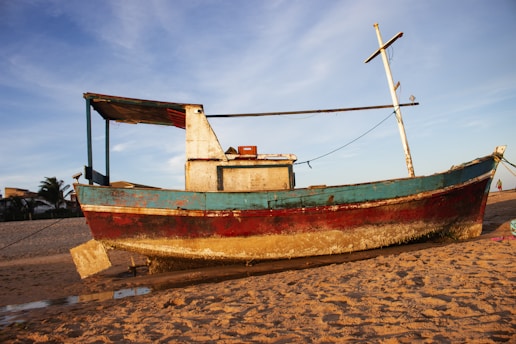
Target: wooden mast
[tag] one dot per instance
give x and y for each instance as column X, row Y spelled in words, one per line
column 394, row 96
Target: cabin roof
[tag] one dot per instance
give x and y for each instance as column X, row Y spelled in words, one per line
column 131, row 110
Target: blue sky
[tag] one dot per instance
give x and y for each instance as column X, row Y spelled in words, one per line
column 456, row 57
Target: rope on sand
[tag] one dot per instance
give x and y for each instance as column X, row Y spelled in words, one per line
column 32, row 234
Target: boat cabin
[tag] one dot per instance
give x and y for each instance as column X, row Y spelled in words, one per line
column 208, row 167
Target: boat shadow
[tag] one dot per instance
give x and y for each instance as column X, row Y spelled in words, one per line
column 497, row 215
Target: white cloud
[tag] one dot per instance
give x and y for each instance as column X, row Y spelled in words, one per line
column 120, row 147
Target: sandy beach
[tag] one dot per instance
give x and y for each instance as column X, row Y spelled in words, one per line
column 439, row 292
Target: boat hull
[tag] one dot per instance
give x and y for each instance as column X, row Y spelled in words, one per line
column 287, row 224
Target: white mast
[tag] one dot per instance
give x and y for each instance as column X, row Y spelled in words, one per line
column 394, row 96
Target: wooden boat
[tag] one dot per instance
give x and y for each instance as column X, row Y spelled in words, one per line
column 243, row 206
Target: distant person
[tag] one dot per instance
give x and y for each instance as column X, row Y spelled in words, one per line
column 499, row 185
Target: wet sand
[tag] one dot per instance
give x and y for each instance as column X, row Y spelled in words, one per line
column 423, row 293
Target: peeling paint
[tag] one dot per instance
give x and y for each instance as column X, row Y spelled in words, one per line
column 294, row 232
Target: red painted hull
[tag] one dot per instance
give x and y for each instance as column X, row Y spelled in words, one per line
column 462, row 205
column 439, row 212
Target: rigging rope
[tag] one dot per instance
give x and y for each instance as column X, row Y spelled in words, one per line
column 507, row 161
column 510, row 163
column 28, row 236
column 347, row 144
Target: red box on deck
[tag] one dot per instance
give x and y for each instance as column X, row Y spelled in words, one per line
column 247, row 150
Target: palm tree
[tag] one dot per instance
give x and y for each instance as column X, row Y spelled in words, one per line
column 53, row 191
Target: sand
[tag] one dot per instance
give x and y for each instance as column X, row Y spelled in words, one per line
column 460, row 292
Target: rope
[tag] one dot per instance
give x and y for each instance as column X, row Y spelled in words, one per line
column 32, row 234
column 347, row 144
column 507, row 161
column 508, row 169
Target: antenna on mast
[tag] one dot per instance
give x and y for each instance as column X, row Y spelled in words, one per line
column 394, row 96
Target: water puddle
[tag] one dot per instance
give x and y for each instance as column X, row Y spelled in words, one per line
column 13, row 313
